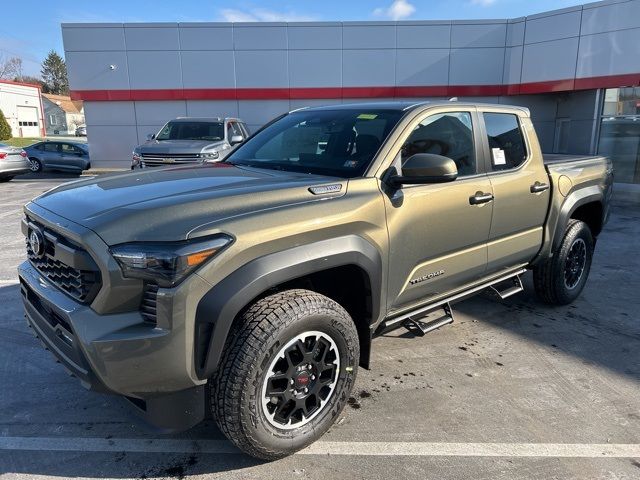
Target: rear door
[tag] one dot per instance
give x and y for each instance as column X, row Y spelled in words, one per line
column 520, row 187
column 72, row 157
column 438, row 232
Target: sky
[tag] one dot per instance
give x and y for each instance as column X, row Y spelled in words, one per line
column 35, row 25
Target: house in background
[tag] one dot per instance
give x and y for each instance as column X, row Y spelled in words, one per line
column 61, row 114
column 21, row 105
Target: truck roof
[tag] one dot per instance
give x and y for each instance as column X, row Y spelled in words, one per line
column 411, row 105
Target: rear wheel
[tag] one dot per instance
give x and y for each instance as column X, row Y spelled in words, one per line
column 286, row 374
column 35, row 165
column 561, row 278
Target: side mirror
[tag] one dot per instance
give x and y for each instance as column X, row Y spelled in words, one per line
column 423, row 168
column 236, row 139
column 151, row 136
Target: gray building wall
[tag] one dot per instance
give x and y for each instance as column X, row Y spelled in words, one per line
column 135, row 77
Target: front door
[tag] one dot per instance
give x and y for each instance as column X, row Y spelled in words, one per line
column 438, row 232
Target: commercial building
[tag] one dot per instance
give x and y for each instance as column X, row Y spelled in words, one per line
column 21, row 104
column 575, row 68
column 61, row 114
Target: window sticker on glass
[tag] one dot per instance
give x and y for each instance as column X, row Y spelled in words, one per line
column 367, row 116
column 498, row 156
column 350, row 164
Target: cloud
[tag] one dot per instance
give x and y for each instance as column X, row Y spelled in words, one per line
column 262, row 15
column 483, row 3
column 398, row 10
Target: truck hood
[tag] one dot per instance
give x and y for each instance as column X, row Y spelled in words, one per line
column 177, row 146
column 168, row 204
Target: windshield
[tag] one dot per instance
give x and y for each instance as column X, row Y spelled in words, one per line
column 338, row 143
column 210, row 131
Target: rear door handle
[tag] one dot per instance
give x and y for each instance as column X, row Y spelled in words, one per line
column 539, row 187
column 480, row 197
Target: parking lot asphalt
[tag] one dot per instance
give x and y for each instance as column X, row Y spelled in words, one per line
column 512, row 389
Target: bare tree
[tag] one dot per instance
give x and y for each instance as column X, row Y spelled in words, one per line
column 10, row 68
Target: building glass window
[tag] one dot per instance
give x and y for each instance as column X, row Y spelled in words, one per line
column 620, row 132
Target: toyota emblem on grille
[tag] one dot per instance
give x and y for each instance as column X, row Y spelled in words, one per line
column 36, row 242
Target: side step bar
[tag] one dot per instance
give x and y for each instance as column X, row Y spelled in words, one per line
column 510, row 287
column 431, row 321
column 400, row 319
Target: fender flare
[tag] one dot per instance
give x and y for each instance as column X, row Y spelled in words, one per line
column 571, row 204
column 219, row 307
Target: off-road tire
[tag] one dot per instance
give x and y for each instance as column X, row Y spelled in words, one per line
column 549, row 277
column 254, row 341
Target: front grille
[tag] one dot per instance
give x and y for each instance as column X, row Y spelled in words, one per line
column 148, row 304
column 60, row 325
column 80, row 284
column 164, row 159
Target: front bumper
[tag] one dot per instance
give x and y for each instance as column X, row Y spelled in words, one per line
column 109, row 354
column 108, row 345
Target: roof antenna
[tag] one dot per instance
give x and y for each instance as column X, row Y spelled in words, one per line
column 453, row 99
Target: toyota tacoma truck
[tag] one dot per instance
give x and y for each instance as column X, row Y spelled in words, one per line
column 250, row 290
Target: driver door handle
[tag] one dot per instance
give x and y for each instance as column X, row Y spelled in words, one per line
column 539, row 187
column 480, row 197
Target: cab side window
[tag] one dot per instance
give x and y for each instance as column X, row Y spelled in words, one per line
column 69, row 149
column 448, row 134
column 506, row 142
column 51, row 147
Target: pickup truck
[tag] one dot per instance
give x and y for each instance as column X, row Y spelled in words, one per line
column 250, row 290
column 190, row 140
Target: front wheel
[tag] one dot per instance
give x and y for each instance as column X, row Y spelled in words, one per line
column 561, row 278
column 287, row 371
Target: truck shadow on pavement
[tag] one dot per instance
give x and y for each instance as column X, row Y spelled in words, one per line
column 37, row 398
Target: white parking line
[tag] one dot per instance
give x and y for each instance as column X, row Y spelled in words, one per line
column 418, row 449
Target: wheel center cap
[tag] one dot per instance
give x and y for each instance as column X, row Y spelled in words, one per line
column 302, row 379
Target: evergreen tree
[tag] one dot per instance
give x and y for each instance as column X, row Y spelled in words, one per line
column 54, row 74
column 5, row 129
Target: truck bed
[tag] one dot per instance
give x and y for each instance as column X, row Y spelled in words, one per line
column 556, row 158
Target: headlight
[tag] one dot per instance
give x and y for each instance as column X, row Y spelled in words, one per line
column 167, row 263
column 210, row 155
column 135, row 158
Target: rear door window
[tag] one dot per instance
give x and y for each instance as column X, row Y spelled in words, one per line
column 506, row 141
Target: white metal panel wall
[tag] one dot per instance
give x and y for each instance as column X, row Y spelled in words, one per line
column 602, row 53
column 206, row 36
column 553, row 60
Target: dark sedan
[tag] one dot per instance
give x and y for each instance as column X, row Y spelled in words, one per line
column 55, row 155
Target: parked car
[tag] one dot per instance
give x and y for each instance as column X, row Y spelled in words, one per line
column 57, row 155
column 81, row 131
column 251, row 289
column 190, row 140
column 13, row 161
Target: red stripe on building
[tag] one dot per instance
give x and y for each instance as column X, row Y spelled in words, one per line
column 359, row 92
